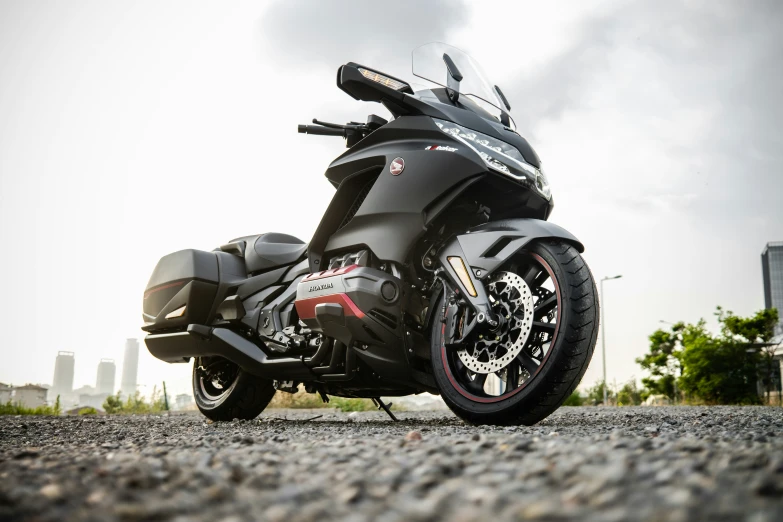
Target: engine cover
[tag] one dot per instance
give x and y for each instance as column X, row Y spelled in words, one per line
column 353, row 304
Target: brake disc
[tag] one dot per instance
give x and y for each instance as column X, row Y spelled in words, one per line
column 511, row 298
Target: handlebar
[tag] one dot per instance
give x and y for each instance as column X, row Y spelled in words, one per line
column 323, row 131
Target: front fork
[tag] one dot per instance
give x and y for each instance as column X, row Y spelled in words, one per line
column 459, row 323
column 459, row 277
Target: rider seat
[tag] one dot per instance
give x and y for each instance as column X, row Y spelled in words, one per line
column 267, row 251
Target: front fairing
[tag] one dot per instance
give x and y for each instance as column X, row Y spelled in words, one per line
column 435, row 103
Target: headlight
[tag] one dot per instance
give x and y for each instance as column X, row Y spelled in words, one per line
column 498, row 155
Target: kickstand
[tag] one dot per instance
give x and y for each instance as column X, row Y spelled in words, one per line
column 385, row 407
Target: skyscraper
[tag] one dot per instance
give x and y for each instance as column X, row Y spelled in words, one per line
column 62, row 383
column 130, row 367
column 772, row 267
column 104, row 383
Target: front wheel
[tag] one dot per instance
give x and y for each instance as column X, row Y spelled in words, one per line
column 520, row 373
column 223, row 392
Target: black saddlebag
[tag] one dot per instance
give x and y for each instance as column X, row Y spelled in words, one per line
column 181, row 290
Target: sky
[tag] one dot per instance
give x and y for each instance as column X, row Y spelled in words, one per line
column 131, row 130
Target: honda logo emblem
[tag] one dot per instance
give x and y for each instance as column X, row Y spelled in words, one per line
column 396, row 167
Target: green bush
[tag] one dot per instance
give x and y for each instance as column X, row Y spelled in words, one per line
column 135, row 404
column 629, row 394
column 575, row 399
column 344, row 404
column 89, row 410
column 595, row 394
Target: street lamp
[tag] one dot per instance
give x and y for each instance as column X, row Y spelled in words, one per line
column 603, row 331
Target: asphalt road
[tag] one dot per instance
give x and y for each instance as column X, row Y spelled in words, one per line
column 685, row 463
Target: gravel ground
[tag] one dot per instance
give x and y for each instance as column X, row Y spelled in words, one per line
column 666, row 463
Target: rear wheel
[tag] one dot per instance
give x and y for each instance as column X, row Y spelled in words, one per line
column 546, row 300
column 224, row 392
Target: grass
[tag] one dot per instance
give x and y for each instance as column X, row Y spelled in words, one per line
column 10, row 408
column 135, row 404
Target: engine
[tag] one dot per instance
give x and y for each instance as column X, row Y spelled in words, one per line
column 354, row 304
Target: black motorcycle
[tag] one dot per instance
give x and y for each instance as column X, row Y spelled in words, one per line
column 433, row 270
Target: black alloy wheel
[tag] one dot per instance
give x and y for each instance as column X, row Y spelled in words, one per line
column 224, row 392
column 519, row 373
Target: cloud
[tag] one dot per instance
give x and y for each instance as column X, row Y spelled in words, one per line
column 659, row 127
column 303, row 33
column 699, row 81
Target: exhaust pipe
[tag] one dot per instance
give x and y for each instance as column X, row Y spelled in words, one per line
column 203, row 341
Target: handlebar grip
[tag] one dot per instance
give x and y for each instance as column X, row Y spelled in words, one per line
column 322, row 131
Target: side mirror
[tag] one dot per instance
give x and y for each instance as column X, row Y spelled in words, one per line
column 363, row 83
column 453, row 79
column 503, row 98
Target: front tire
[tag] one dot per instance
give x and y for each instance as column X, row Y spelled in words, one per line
column 224, row 392
column 557, row 333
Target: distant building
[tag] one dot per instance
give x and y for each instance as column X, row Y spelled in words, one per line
column 94, row 400
column 84, row 390
column 63, row 375
column 130, row 367
column 30, row 395
column 184, row 401
column 5, row 393
column 107, row 371
column 772, row 268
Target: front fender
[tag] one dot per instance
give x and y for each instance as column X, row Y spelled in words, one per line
column 488, row 246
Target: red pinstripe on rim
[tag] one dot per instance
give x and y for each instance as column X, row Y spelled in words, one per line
column 513, row 392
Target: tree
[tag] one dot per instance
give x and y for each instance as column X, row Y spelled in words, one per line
column 718, row 369
column 629, row 394
column 756, row 332
column 722, row 369
column 663, row 361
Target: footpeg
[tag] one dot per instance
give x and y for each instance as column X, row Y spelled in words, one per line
column 286, row 386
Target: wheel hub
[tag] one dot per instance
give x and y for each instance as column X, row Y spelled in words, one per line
column 512, row 301
column 215, row 378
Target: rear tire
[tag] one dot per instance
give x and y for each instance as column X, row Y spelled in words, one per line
column 562, row 364
column 226, row 392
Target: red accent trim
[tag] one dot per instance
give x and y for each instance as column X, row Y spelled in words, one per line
column 306, row 307
column 329, row 273
column 476, row 398
column 162, row 287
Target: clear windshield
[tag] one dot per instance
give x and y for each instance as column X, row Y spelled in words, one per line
column 428, row 64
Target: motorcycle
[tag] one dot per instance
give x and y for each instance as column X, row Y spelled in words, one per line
column 434, row 269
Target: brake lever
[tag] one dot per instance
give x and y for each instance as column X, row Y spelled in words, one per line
column 357, row 127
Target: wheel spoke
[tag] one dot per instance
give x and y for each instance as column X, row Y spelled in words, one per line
column 512, row 376
column 540, row 279
column 540, row 326
column 544, row 306
column 530, row 273
column 476, row 385
column 528, row 362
